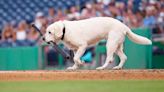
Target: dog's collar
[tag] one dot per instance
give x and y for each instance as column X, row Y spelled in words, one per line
column 62, row 38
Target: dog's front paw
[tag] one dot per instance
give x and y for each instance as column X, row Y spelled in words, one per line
column 117, row 68
column 81, row 63
column 72, row 68
column 100, row 68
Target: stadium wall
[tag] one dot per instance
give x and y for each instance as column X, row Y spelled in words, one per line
column 19, row 58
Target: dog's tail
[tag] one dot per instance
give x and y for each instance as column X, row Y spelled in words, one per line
column 137, row 38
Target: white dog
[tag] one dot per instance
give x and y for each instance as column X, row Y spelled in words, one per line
column 78, row 35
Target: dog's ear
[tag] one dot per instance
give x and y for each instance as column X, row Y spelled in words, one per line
column 58, row 29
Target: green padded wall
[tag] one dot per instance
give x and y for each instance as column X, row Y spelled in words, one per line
column 139, row 56
column 158, row 59
column 19, row 58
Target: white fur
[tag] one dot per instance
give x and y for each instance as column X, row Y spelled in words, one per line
column 83, row 33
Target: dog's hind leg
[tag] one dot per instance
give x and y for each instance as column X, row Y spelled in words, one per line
column 111, row 46
column 122, row 57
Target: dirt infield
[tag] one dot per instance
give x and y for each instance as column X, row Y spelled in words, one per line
column 83, row 75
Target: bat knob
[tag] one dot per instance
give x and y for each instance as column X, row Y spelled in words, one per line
column 68, row 57
column 32, row 24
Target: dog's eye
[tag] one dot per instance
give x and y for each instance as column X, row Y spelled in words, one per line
column 49, row 32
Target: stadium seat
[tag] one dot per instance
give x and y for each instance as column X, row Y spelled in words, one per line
column 26, row 9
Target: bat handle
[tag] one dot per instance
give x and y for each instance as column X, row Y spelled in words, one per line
column 34, row 26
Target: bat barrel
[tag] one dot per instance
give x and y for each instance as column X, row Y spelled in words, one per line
column 64, row 54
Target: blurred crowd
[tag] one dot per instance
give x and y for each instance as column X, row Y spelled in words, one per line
column 134, row 13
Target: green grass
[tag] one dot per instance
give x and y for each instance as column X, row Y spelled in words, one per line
column 83, row 86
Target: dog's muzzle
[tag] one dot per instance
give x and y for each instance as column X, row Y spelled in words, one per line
column 48, row 42
column 45, row 40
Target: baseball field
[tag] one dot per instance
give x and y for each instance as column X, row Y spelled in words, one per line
column 82, row 81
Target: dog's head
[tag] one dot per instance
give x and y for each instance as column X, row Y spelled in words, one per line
column 53, row 32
